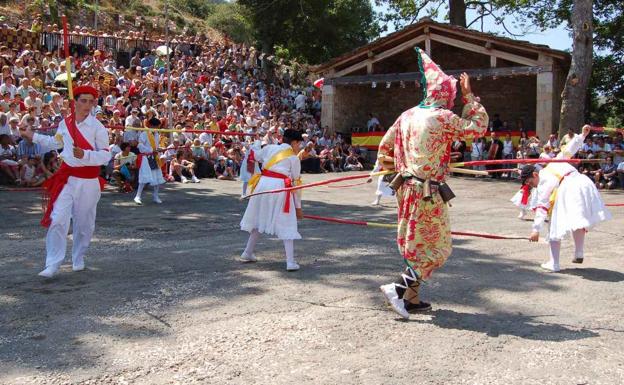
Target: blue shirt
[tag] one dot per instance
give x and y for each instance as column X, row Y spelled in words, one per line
column 28, row 149
column 146, row 62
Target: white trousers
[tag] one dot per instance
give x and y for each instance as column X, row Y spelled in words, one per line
column 78, row 200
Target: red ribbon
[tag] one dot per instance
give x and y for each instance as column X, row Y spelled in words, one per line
column 526, row 191
column 287, row 184
column 55, row 184
column 251, row 160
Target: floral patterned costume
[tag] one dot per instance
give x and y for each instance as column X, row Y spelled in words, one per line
column 419, row 145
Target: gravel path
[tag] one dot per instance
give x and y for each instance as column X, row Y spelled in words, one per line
column 164, row 300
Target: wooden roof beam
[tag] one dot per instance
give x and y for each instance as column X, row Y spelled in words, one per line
column 385, row 54
column 483, row 50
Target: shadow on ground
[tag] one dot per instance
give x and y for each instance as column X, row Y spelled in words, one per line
column 146, row 260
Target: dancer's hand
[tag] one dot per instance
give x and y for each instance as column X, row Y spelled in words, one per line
column 78, row 152
column 534, row 237
column 586, row 129
column 299, row 213
column 464, row 82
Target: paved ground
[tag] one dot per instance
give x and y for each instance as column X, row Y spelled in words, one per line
column 165, row 302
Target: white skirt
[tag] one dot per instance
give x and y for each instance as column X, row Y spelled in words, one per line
column 383, row 189
column 147, row 175
column 265, row 213
column 578, row 206
column 531, row 204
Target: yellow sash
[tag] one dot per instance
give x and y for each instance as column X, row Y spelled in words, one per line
column 553, row 195
column 280, row 156
column 152, row 140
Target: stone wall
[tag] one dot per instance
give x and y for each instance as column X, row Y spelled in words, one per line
column 353, row 103
column 512, row 98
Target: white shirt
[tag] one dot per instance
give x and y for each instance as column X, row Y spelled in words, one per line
column 290, row 166
column 121, row 159
column 144, row 143
column 37, row 103
column 507, row 147
column 9, row 151
column 93, row 131
column 10, row 89
column 372, row 122
column 300, row 101
column 205, row 137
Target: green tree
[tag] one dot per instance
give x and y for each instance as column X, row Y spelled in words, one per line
column 605, row 17
column 232, row 20
column 313, row 30
column 404, row 12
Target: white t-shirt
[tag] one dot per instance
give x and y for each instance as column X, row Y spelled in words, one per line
column 9, row 151
column 205, row 137
column 10, row 89
column 129, row 159
column 373, row 121
column 507, row 148
column 300, row 101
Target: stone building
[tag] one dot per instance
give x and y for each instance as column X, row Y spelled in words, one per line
column 515, row 79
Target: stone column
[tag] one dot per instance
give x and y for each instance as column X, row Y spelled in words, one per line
column 544, row 111
column 327, row 107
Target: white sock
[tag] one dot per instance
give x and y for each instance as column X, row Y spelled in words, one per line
column 377, row 199
column 251, row 242
column 244, row 188
column 579, row 242
column 155, row 192
column 289, row 247
column 140, row 190
column 555, row 249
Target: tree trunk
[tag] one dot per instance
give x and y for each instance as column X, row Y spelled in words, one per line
column 573, row 106
column 457, row 12
column 268, row 49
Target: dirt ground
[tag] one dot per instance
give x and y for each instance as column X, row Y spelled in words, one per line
column 164, row 300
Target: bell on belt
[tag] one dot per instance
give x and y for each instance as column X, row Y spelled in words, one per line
column 427, row 190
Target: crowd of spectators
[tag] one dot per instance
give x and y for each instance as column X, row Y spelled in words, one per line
column 608, row 174
column 221, row 87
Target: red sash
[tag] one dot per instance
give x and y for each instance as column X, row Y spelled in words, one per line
column 55, row 184
column 287, row 183
column 251, row 160
column 526, row 191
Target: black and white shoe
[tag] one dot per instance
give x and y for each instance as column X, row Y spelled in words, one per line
column 397, row 304
column 420, row 307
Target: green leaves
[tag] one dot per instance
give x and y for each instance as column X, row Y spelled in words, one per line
column 313, row 30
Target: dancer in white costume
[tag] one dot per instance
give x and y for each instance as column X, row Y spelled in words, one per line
column 148, row 163
column 250, row 165
column 382, row 186
column 569, row 198
column 275, row 214
column 75, row 188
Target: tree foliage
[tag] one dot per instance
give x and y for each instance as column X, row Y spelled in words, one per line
column 232, row 20
column 313, row 30
column 607, row 85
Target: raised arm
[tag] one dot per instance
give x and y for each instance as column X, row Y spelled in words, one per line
column 474, row 120
column 575, row 144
